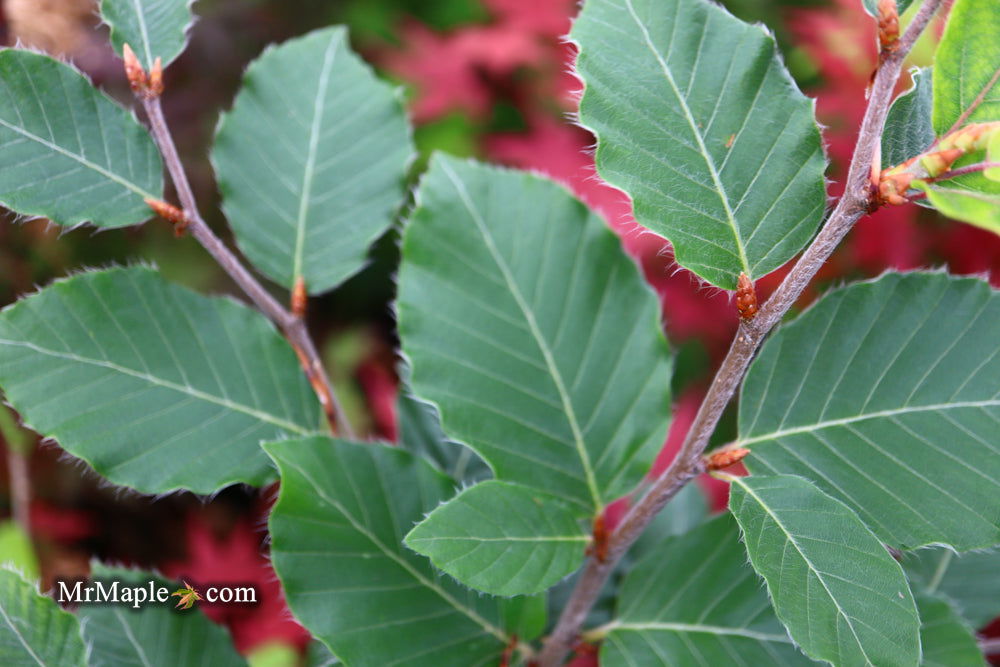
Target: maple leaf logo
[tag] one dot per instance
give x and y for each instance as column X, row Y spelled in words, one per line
column 188, row 596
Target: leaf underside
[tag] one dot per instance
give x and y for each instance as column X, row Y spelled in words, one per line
column 700, row 124
column 354, row 584
column 694, row 600
column 311, row 161
column 150, row 383
column 967, row 66
column 533, row 333
column 946, row 637
column 908, row 131
column 969, row 580
column 153, row 28
column 886, row 394
column 69, row 153
column 833, row 584
column 502, row 538
column 34, row 631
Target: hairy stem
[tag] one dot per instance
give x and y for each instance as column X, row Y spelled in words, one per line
column 855, row 202
column 293, row 326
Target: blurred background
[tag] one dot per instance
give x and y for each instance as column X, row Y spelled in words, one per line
column 484, row 78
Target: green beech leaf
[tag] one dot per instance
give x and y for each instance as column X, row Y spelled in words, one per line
column 67, row 152
column 311, row 160
column 969, row 580
column 153, row 28
column 156, row 387
column 420, row 433
column 700, row 124
column 503, row 539
column 885, row 395
column 967, row 204
column 833, row 584
column 529, row 327
column 34, row 631
column 945, row 636
column 153, row 636
column 908, row 131
column 967, row 66
column 694, row 600
column 353, row 583
column 871, row 6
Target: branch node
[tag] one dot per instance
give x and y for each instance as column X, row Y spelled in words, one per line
column 724, row 458
column 175, row 216
column 888, row 28
column 600, row 535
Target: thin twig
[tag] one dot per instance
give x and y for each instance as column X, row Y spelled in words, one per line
column 20, row 487
column 688, row 463
column 293, row 327
column 967, row 169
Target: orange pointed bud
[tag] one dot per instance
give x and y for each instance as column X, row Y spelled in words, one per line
column 725, row 458
column 888, row 25
column 746, row 297
column 175, row 216
column 137, row 78
column 299, row 297
column 892, row 187
column 156, row 78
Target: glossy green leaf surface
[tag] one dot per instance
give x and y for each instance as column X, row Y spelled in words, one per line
column 908, row 131
column 34, row 631
column 311, row 160
column 698, row 121
column 153, row 28
column 155, row 635
column 967, row 66
column 68, row 152
column 337, row 547
column 156, row 387
column 833, row 584
column 886, row 394
column 532, row 331
column 694, row 600
column 503, row 539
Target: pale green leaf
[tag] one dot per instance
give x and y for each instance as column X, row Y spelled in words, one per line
column 833, row 584
column 153, row 636
column 993, row 155
column 529, row 327
column 153, row 28
column 337, row 532
column 16, row 550
column 908, row 130
column 698, row 121
column 885, row 394
column 34, row 631
column 966, row 204
column 502, row 538
column 420, row 432
column 971, row 581
column 67, row 152
column 311, row 161
column 156, row 387
column 945, row 636
column 696, row 601
column 967, row 66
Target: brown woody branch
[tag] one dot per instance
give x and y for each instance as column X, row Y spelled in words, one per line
column 290, row 323
column 855, row 202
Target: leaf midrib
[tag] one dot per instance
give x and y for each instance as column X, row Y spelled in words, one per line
column 698, row 628
column 536, row 333
column 79, row 158
column 709, row 162
column 812, row 568
column 843, row 421
column 395, row 557
column 310, row 165
column 144, row 30
column 152, row 379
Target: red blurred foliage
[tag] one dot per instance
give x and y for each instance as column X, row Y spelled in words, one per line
column 237, row 558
